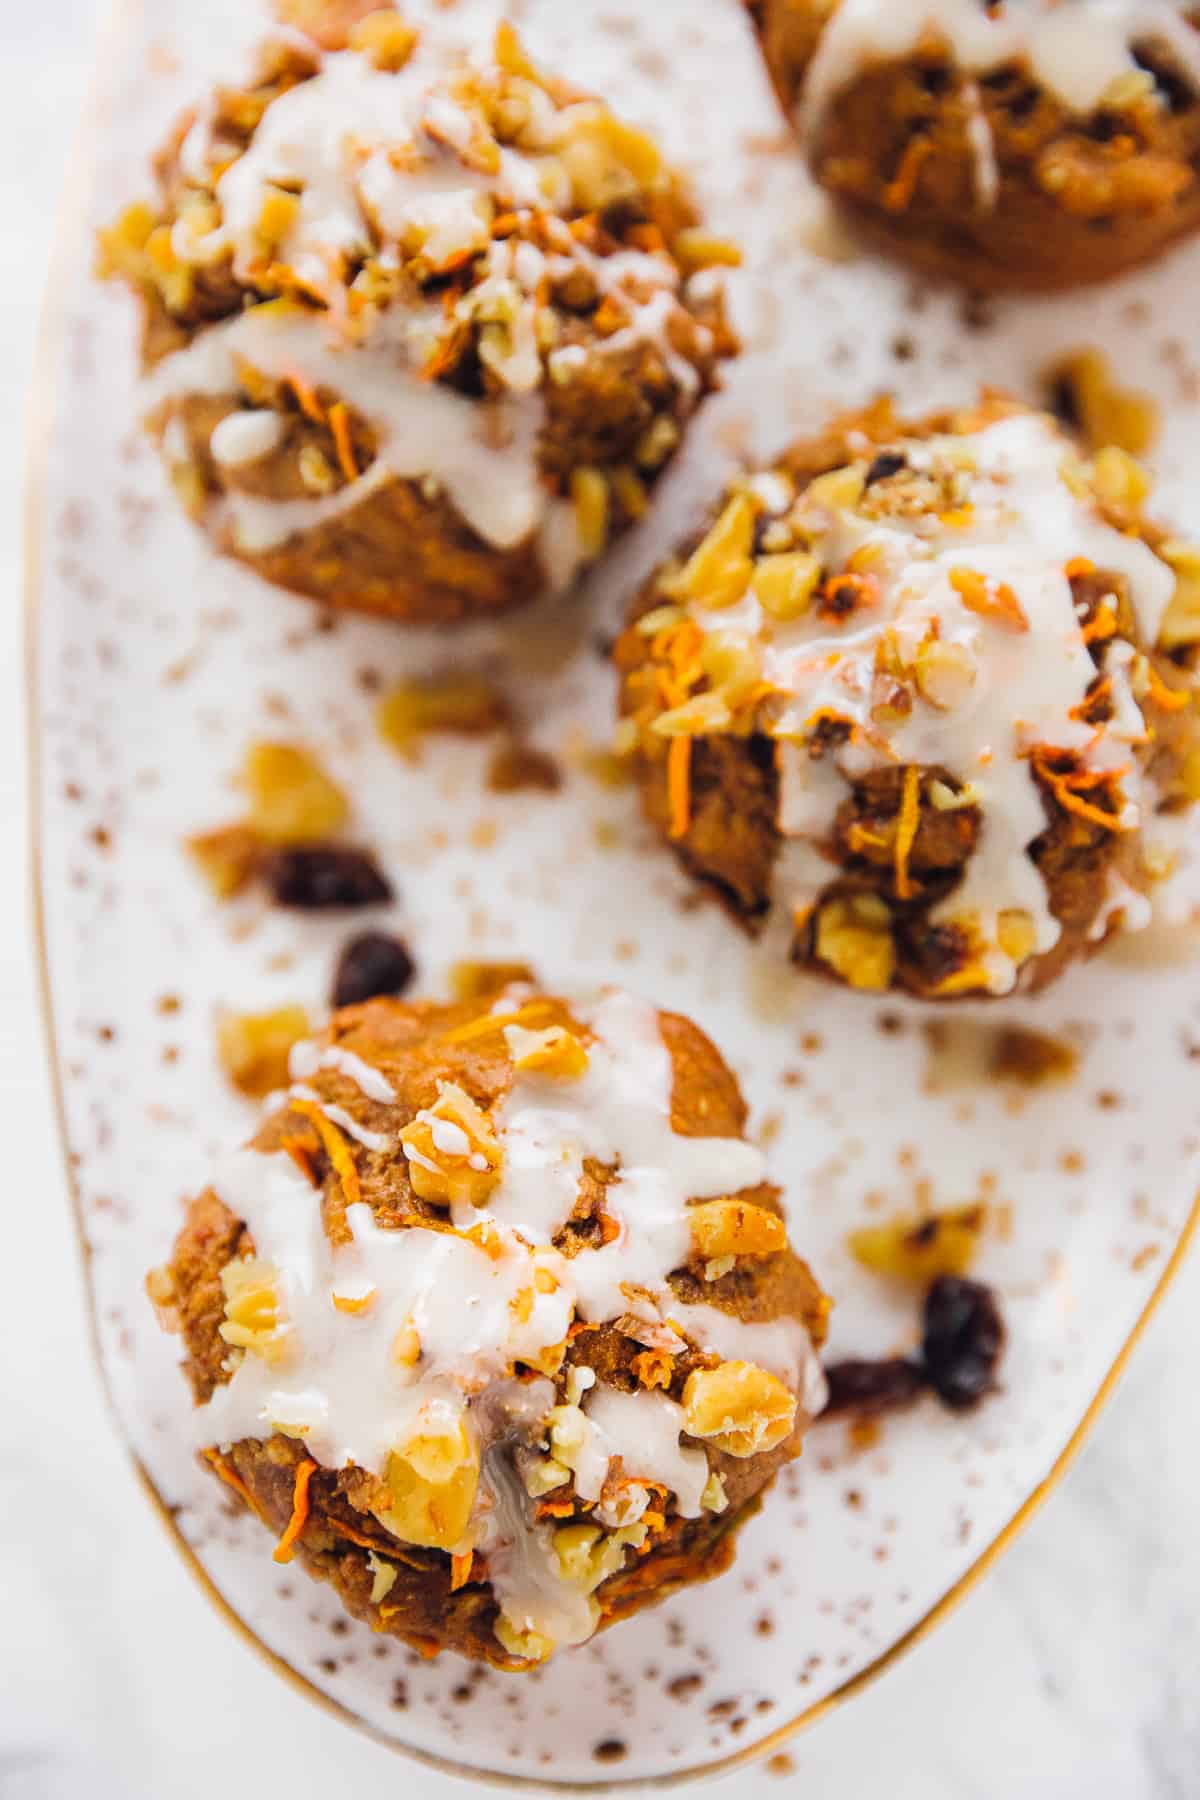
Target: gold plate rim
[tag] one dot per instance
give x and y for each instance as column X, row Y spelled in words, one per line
column 42, row 413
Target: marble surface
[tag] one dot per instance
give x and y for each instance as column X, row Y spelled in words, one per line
column 1070, row 1673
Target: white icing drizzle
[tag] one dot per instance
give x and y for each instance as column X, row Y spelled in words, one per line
column 643, row 1430
column 478, row 1306
column 307, row 1059
column 374, row 164
column 1076, row 49
column 1019, row 526
column 337, row 1115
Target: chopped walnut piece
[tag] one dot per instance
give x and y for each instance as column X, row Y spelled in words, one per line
column 735, row 1228
column 738, row 1407
column 854, row 938
column 451, row 1150
column 430, row 1483
column 720, row 569
column 253, row 1311
column 1087, row 397
column 228, row 858
column 292, row 799
column 253, row 1048
column 918, row 1249
column 466, row 705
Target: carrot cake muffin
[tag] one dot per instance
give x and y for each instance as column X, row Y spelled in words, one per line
column 923, row 690
column 1004, row 143
column 420, row 334
column 495, row 1324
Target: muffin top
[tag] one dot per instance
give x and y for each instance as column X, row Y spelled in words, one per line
column 409, row 235
column 971, row 598
column 531, row 1233
column 1085, row 52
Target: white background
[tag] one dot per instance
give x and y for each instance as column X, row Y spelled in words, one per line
column 1073, row 1674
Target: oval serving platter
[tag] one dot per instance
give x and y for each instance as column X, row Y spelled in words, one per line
column 155, row 664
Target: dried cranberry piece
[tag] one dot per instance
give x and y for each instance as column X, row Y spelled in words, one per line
column 866, row 1388
column 370, row 965
column 963, row 1339
column 313, row 876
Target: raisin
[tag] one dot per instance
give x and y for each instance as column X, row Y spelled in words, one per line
column 888, row 462
column 865, row 1388
column 962, row 1342
column 314, row 876
column 370, row 965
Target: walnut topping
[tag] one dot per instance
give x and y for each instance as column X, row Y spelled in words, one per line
column 451, row 1150
column 253, row 1312
column 253, row 1048
column 918, row 1249
column 430, row 1483
column 739, row 1408
column 723, row 1228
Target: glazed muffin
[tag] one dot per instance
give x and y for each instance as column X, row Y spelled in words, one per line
column 495, row 1324
column 1021, row 144
column 922, row 695
column 420, row 334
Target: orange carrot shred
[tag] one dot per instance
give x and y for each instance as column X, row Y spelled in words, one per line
column 231, row 1478
column 305, row 1471
column 679, row 768
column 305, row 393
column 1103, row 624
column 897, row 195
column 906, row 830
column 335, row 1148
column 339, row 424
column 1079, row 565
column 477, row 1028
column 460, row 1570
column 989, row 599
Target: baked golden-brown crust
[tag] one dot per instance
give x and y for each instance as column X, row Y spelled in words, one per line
column 413, row 1048
column 730, row 838
column 1077, row 199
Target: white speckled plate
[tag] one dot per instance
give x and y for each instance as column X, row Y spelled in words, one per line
column 157, row 662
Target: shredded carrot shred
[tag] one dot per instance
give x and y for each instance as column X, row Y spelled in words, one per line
column 897, row 195
column 300, row 1149
column 989, row 599
column 231, row 1478
column 1079, row 565
column 504, row 224
column 477, row 1028
column 679, row 774
column 906, row 830
column 306, row 394
column 460, row 1570
column 1068, row 790
column 1103, row 624
column 444, row 357
column 1167, row 699
column 335, row 1148
column 339, row 424
column 305, row 1471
